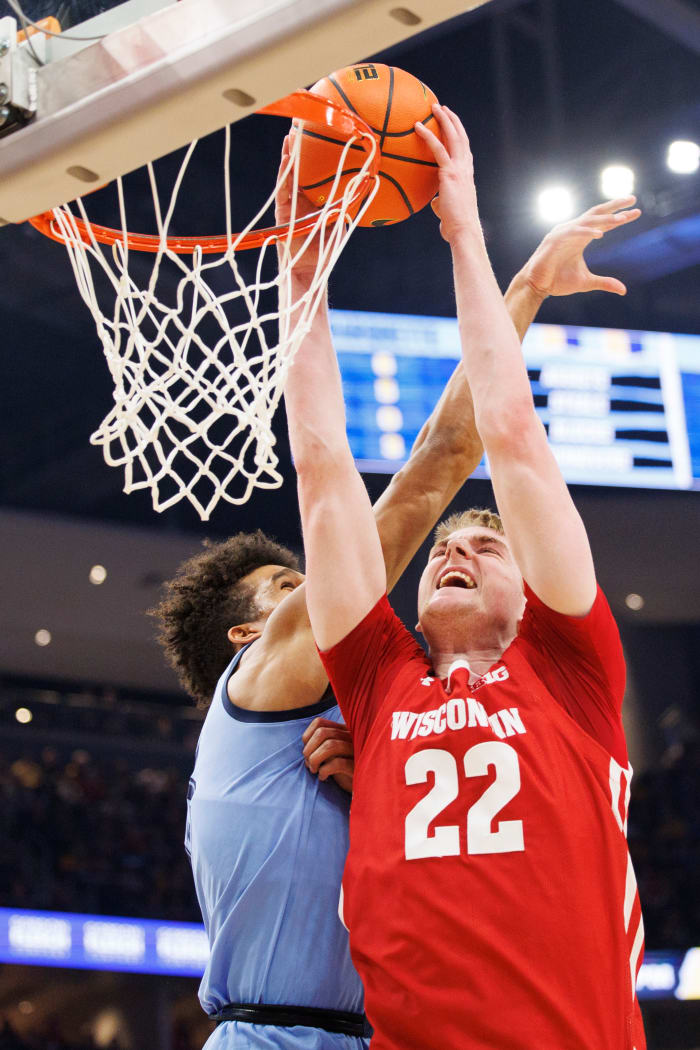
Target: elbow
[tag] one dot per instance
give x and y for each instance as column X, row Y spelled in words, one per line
column 454, row 442
column 455, row 450
column 317, row 460
column 508, row 429
column 308, row 455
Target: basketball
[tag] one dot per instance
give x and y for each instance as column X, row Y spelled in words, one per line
column 390, row 101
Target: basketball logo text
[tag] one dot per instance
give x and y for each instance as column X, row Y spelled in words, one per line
column 365, row 72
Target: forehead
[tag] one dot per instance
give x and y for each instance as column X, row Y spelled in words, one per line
column 474, row 534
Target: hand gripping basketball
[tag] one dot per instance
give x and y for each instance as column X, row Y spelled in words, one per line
column 456, row 206
column 289, row 209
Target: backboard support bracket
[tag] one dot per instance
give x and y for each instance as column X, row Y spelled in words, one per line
column 18, row 87
column 182, row 72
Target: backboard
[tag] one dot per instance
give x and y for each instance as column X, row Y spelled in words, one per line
column 147, row 77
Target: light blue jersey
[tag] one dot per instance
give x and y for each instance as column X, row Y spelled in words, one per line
column 267, row 841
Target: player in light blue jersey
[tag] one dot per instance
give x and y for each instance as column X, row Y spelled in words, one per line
column 268, row 800
column 268, row 842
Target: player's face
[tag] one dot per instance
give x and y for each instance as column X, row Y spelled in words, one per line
column 271, row 584
column 473, row 570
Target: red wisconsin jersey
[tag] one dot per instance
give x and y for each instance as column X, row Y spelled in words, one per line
column 488, row 891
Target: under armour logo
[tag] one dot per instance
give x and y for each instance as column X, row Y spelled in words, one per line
column 427, row 681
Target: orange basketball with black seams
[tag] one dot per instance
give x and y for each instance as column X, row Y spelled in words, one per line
column 390, row 100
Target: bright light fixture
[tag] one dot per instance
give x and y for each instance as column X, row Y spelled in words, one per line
column 23, row 715
column 634, row 602
column 98, row 575
column 617, row 180
column 683, row 157
column 555, row 204
column 43, row 637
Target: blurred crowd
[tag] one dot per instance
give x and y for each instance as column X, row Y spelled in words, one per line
column 49, row 1038
column 664, row 841
column 101, row 830
column 106, row 836
column 101, row 835
column 10, row 1039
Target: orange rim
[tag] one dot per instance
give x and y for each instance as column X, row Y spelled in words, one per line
column 301, row 104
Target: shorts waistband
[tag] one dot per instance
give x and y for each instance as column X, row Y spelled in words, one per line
column 340, row 1021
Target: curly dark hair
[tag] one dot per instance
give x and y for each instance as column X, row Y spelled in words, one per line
column 204, row 600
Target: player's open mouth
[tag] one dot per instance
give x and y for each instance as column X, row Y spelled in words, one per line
column 455, row 578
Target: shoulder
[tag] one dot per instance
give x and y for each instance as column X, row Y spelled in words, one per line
column 579, row 659
column 582, row 645
column 277, row 673
column 594, row 631
column 380, row 630
column 368, row 664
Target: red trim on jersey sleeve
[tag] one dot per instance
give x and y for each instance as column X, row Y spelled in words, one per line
column 361, row 666
column 580, row 660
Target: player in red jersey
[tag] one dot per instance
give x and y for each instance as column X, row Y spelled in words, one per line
column 488, row 891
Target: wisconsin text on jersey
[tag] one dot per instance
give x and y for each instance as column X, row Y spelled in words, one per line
column 458, row 713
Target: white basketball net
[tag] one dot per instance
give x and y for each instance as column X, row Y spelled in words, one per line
column 197, row 374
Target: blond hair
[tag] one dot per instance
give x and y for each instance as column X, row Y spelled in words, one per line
column 464, row 519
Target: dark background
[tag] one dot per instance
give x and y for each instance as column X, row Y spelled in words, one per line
column 549, row 90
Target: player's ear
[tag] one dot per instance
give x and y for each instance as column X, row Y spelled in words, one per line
column 243, row 633
column 419, row 628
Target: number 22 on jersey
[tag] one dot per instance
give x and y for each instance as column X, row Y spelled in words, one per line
column 484, row 833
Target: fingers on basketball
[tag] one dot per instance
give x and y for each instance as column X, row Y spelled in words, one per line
column 284, row 182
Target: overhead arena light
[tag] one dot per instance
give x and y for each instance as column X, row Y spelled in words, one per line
column 683, row 157
column 617, row 180
column 98, row 575
column 555, row 204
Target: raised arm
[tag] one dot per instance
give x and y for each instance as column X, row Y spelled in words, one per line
column 448, row 448
column 545, row 531
column 345, row 574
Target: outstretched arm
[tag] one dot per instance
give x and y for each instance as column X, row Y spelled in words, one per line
column 448, row 448
column 344, row 562
column 546, row 534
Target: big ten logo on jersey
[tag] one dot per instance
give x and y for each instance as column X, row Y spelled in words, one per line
column 499, row 674
column 368, row 72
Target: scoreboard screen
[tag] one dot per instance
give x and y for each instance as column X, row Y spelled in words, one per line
column 620, row 407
